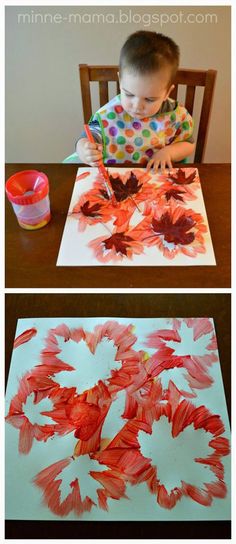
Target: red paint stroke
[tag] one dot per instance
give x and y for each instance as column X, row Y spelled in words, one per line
column 123, row 452
column 166, row 193
column 24, row 337
column 118, row 246
column 197, row 366
column 131, row 189
column 49, row 480
column 173, row 231
column 82, row 176
column 84, row 414
column 17, row 418
column 91, row 209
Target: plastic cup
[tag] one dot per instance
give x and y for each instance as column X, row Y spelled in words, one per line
column 28, row 193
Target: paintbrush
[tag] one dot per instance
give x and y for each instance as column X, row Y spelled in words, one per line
column 102, row 168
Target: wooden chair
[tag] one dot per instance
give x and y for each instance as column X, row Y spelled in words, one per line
column 190, row 78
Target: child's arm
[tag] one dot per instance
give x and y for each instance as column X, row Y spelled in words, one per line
column 170, row 153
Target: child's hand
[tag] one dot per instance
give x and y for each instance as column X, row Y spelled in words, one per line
column 161, row 158
column 89, row 153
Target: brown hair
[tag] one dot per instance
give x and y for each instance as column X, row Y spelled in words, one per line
column 146, row 52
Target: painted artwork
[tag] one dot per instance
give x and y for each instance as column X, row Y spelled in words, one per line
column 116, row 419
column 147, row 220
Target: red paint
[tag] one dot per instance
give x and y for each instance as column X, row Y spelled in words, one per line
column 197, row 367
column 82, row 176
column 24, row 337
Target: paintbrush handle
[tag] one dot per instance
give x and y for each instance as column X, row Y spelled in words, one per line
column 101, row 167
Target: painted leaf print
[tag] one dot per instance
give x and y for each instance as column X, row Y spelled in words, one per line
column 181, row 178
column 178, row 232
column 90, row 211
column 123, row 190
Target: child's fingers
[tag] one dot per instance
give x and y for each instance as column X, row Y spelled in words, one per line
column 90, row 145
column 156, row 166
column 149, row 164
column 94, row 156
column 163, row 166
column 166, row 164
column 93, row 145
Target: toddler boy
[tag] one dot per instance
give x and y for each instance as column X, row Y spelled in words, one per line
column 142, row 125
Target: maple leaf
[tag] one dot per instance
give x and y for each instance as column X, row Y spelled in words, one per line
column 104, row 194
column 176, row 233
column 173, row 193
column 181, row 178
column 90, row 211
column 124, row 190
column 119, row 241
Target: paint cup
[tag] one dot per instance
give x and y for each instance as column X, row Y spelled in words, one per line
column 28, row 193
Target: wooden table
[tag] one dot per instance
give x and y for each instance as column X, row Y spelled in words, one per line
column 129, row 305
column 31, row 255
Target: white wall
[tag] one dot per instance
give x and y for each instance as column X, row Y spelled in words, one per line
column 43, row 101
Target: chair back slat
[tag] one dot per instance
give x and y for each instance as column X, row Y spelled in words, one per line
column 103, row 73
column 103, row 92
column 85, row 91
column 174, row 93
column 189, row 98
column 190, row 78
column 205, row 114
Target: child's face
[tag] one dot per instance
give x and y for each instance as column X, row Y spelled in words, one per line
column 142, row 95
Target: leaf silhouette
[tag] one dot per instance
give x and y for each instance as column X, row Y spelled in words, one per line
column 104, row 193
column 176, row 233
column 174, row 193
column 119, row 241
column 181, row 178
column 90, row 211
column 124, row 190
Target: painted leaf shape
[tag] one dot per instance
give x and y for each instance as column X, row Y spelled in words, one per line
column 177, row 233
column 124, row 190
column 104, row 194
column 173, row 193
column 90, row 211
column 119, row 241
column 182, row 179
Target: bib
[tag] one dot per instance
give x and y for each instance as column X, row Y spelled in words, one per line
column 129, row 140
